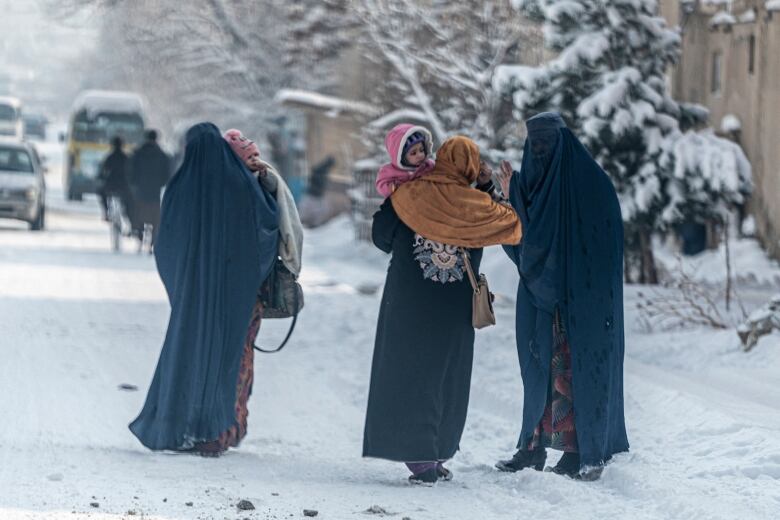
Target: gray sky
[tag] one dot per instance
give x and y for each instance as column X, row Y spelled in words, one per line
column 40, row 53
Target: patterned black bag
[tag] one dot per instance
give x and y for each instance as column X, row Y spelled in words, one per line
column 282, row 297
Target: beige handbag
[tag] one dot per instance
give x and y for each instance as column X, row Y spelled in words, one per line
column 482, row 314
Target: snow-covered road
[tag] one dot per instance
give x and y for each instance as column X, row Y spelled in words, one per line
column 77, row 321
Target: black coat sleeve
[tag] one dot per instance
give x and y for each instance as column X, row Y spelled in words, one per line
column 386, row 222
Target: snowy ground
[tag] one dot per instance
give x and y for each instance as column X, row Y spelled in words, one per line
column 76, row 321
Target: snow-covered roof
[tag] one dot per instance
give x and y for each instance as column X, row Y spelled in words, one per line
column 398, row 116
column 722, row 18
column 730, row 123
column 323, row 102
column 773, row 5
column 108, row 101
column 12, row 101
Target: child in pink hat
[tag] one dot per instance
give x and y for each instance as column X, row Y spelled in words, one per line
column 410, row 148
column 246, row 150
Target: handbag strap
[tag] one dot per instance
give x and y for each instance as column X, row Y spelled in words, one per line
column 286, row 339
column 289, row 332
column 469, row 270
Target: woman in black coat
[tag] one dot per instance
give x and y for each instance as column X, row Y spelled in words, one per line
column 421, row 370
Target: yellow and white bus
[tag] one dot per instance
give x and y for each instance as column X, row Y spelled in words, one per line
column 97, row 117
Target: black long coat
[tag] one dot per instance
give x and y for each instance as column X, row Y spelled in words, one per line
column 149, row 170
column 113, row 173
column 424, row 347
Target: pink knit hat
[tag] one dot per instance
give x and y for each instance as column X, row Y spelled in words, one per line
column 242, row 146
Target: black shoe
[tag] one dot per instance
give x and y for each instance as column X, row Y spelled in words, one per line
column 569, row 465
column 524, row 459
column 426, row 478
column 444, row 473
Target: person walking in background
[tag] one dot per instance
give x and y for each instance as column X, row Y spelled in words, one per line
column 315, row 207
column 217, row 244
column 114, row 182
column 410, row 149
column 421, row 371
column 149, row 169
column 569, row 304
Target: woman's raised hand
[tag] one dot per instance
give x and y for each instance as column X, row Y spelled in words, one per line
column 505, row 177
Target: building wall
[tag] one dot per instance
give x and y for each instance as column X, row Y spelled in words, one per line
column 751, row 95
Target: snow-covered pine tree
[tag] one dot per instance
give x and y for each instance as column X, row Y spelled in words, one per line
column 608, row 81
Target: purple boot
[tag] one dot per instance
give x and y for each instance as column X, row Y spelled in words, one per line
column 423, row 473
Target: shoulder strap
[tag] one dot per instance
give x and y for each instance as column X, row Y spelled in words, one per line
column 469, row 270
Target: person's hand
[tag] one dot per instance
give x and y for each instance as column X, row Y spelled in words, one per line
column 485, row 173
column 505, row 177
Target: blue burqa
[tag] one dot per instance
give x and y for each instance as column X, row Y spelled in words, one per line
column 570, row 258
column 217, row 244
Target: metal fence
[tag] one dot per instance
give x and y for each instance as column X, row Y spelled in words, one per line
column 365, row 200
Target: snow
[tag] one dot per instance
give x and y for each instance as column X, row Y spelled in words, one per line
column 721, row 164
column 78, row 320
column 722, row 18
column 772, row 5
column 323, row 102
column 11, row 101
column 506, row 76
column 752, row 268
column 748, row 16
column 402, row 115
column 108, row 101
column 730, row 123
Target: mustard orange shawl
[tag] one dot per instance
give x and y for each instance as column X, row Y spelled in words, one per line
column 442, row 205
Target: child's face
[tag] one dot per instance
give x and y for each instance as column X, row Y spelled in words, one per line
column 416, row 154
column 253, row 162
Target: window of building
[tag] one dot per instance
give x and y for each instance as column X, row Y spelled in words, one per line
column 715, row 80
column 752, row 54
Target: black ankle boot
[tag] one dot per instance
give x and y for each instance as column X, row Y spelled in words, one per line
column 569, row 465
column 426, row 478
column 524, row 459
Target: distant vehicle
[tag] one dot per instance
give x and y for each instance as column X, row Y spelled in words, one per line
column 96, row 117
column 35, row 125
column 11, row 126
column 22, row 186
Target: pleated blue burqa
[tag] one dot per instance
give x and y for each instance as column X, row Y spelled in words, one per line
column 570, row 259
column 217, row 244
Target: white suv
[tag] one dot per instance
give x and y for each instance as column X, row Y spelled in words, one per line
column 22, row 186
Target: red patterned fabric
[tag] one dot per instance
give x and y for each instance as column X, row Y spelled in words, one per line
column 557, row 430
column 232, row 437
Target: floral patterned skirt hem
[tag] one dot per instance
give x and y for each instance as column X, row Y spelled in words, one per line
column 233, row 436
column 557, row 429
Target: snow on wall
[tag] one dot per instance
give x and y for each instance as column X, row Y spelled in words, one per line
column 773, row 5
column 730, row 123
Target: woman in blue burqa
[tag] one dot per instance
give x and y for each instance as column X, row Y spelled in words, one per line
column 569, row 304
column 216, row 246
